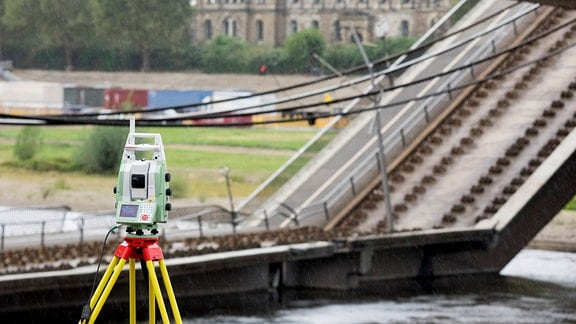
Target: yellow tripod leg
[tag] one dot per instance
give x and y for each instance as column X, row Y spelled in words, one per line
column 170, row 291
column 103, row 282
column 155, row 286
column 151, row 301
column 106, row 292
column 132, row 291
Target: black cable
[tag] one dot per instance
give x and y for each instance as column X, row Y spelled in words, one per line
column 212, row 115
column 58, row 121
column 457, row 88
column 86, row 310
column 378, row 91
column 385, row 61
column 391, row 105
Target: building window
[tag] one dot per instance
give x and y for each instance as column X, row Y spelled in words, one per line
column 405, row 28
column 293, row 26
column 208, row 29
column 229, row 27
column 315, row 24
column 358, row 34
column 337, row 31
column 260, row 30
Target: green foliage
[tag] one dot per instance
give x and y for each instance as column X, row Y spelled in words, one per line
column 226, row 54
column 96, row 34
column 265, row 138
column 347, row 55
column 27, row 143
column 48, row 58
column 343, row 56
column 393, row 46
column 63, row 24
column 16, row 13
column 103, row 56
column 571, row 204
column 110, row 35
column 273, row 58
column 102, row 151
column 147, row 25
column 300, row 48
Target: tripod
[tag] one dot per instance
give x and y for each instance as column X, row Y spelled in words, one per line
column 145, row 249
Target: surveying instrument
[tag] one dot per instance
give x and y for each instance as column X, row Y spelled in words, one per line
column 141, row 203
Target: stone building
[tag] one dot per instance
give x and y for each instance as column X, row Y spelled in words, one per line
column 270, row 22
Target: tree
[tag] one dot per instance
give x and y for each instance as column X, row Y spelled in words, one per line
column 3, row 32
column 27, row 143
column 226, row 54
column 144, row 24
column 62, row 23
column 301, row 47
column 343, row 56
column 102, row 151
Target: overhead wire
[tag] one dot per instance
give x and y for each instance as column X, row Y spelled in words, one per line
column 56, row 121
column 353, row 70
column 387, row 106
column 493, row 76
column 391, row 88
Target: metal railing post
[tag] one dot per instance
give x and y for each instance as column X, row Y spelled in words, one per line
column 266, row 222
column 200, row 226
column 295, row 218
column 42, row 233
column 2, row 238
column 82, row 230
column 403, row 137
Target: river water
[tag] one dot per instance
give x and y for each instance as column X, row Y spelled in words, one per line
column 535, row 287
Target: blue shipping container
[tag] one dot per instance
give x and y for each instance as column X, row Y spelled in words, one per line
column 172, row 98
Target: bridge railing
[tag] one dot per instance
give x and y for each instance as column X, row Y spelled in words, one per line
column 404, row 134
column 258, row 197
column 32, row 227
column 60, row 222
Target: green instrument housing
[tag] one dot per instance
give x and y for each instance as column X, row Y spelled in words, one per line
column 142, row 189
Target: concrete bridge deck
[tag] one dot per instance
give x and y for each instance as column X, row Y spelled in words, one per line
column 419, row 258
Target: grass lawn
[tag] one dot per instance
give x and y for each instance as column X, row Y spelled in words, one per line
column 256, row 137
column 195, row 156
